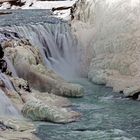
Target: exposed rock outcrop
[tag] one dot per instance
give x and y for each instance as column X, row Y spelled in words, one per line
column 39, row 104
column 16, row 129
column 28, row 58
column 36, row 110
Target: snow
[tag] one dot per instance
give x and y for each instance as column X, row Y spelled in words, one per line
column 48, row 4
column 63, row 14
column 35, row 4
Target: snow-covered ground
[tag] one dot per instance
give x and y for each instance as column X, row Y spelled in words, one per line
column 47, row 4
column 63, row 11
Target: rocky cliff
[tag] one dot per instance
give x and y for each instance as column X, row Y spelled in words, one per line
column 109, row 32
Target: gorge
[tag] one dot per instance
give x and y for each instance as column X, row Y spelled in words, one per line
column 93, row 60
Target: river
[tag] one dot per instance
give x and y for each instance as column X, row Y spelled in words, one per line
column 105, row 116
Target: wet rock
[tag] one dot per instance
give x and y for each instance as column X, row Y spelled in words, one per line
column 133, row 92
column 23, row 53
column 36, row 110
column 17, row 124
column 3, row 65
column 16, row 129
column 16, row 135
column 3, row 127
column 20, row 84
column 1, row 52
column 51, row 99
column 53, row 85
column 42, row 106
column 68, row 90
column 98, row 76
column 39, row 106
column 5, row 5
column 29, row 65
column 5, row 13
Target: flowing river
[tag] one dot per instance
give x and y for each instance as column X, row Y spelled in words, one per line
column 105, row 116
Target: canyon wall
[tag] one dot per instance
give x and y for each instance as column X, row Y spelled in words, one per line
column 109, row 32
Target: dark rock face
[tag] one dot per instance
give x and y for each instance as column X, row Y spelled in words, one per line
column 3, row 127
column 26, row 88
column 1, row 52
column 3, row 64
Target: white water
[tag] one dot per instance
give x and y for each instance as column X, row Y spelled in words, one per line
column 6, row 106
column 57, row 46
column 6, row 81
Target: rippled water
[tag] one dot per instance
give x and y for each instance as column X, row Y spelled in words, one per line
column 105, row 116
column 22, row 17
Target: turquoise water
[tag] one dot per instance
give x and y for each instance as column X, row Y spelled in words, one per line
column 105, row 116
column 23, row 17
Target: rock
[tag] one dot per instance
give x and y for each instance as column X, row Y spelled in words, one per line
column 36, row 110
column 2, row 38
column 16, row 135
column 16, row 129
column 17, row 124
column 23, row 52
column 98, row 76
column 1, row 52
column 53, row 85
column 114, row 43
column 3, row 65
column 20, row 84
column 5, row 5
column 29, row 65
column 68, row 90
column 5, row 13
column 133, row 92
column 51, row 99
column 43, row 106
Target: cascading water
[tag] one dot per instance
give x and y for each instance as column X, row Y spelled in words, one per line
column 6, row 81
column 6, row 106
column 57, row 46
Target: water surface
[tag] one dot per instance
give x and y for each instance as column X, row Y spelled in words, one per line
column 105, row 116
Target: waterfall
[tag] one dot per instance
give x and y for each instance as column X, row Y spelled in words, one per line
column 6, row 106
column 6, row 81
column 56, row 44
